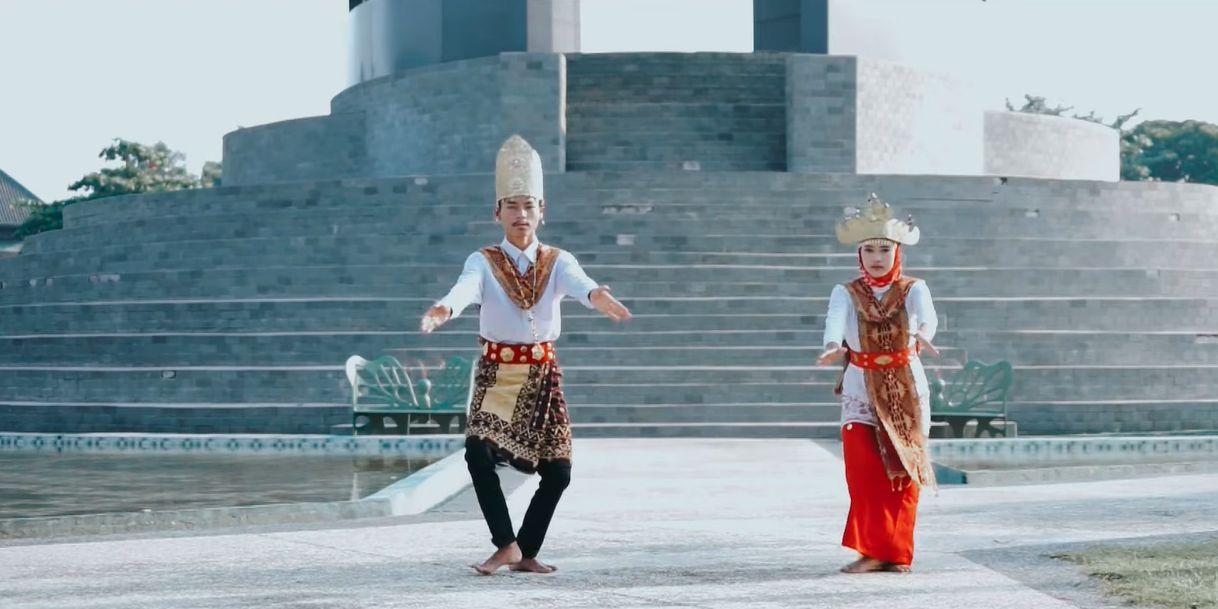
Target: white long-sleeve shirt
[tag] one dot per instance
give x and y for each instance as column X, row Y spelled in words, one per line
column 501, row 320
column 842, row 327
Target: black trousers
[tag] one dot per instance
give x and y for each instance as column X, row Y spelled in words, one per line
column 555, row 476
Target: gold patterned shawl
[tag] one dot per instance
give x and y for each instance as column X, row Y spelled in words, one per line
column 884, row 327
column 524, row 290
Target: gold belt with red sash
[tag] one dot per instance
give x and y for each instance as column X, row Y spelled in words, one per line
column 505, row 353
column 880, row 360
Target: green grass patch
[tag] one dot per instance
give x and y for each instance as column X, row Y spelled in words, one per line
column 1176, row 575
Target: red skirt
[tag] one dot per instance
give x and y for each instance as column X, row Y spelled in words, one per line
column 881, row 520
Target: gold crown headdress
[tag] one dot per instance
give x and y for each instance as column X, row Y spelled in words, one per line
column 876, row 222
column 518, row 170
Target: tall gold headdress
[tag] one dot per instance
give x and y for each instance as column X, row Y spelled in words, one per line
column 518, row 170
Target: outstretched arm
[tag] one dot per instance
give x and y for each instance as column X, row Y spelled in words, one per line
column 609, row 306
column 574, row 282
column 467, row 291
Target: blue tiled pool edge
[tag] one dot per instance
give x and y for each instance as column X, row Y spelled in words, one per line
column 1038, row 449
column 262, row 444
column 1040, row 460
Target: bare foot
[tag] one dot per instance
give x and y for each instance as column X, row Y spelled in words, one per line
column 864, row 565
column 892, row 567
column 507, row 555
column 532, row 565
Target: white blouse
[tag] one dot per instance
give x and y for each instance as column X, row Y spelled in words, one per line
column 842, row 327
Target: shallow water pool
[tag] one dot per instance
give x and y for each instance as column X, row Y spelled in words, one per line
column 34, row 484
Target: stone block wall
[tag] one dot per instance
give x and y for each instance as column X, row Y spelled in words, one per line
column 822, row 114
column 444, row 119
column 452, row 118
column 315, row 148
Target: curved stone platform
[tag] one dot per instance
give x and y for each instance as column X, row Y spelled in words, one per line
column 647, row 111
column 1056, row 147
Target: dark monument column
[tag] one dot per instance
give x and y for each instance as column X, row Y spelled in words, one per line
column 388, row 36
column 794, row 26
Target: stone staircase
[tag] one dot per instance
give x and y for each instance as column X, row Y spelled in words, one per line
column 676, row 111
column 232, row 310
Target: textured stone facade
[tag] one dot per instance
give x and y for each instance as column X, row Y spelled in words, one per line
column 707, row 111
column 1040, row 146
column 916, row 122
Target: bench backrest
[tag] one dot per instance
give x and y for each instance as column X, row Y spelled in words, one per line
column 978, row 387
column 380, row 381
column 451, row 385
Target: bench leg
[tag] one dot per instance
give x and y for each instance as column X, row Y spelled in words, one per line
column 375, row 425
column 957, row 425
column 987, row 426
column 445, row 422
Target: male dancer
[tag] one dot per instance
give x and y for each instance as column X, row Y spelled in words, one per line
column 517, row 413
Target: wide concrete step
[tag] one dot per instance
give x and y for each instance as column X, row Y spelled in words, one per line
column 102, row 417
column 1072, row 416
column 974, row 223
column 709, row 63
column 765, row 163
column 581, row 81
column 660, row 420
column 1119, row 314
column 658, row 188
column 315, row 385
column 626, row 346
column 709, row 152
column 643, row 222
column 642, row 88
column 688, row 145
column 1199, row 315
column 74, row 416
column 731, row 92
column 403, row 250
column 761, row 119
column 798, row 345
column 709, row 347
column 630, row 285
column 160, row 385
column 1031, row 384
column 948, row 252
column 1064, row 348
column 636, row 138
column 769, row 208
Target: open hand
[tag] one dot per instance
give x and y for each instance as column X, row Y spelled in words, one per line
column 608, row 305
column 926, row 346
column 434, row 318
column 833, row 354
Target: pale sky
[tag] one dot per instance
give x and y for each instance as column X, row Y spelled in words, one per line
column 78, row 73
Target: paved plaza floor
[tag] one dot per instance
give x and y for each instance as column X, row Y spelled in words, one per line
column 645, row 523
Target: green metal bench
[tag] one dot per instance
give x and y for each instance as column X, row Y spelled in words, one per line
column 450, row 392
column 976, row 392
column 382, row 390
